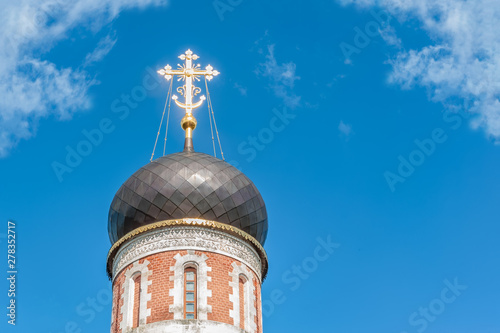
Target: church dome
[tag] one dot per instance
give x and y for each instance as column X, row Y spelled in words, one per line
column 188, row 185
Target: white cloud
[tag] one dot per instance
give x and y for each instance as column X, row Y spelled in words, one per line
column 388, row 34
column 345, row 130
column 282, row 78
column 462, row 65
column 33, row 88
column 242, row 90
column 103, row 48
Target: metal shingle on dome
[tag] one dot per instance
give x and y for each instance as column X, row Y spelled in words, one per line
column 188, row 185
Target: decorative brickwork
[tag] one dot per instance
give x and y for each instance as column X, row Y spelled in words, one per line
column 186, row 237
column 162, row 286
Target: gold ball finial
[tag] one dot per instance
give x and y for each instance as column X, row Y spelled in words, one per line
column 188, row 122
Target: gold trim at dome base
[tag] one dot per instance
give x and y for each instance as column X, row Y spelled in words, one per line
column 189, row 222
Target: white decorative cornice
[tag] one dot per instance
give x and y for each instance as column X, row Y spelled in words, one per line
column 207, row 224
column 176, row 238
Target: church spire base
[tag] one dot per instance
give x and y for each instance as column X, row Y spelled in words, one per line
column 188, row 145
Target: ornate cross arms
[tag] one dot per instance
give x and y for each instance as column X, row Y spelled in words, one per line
column 188, row 72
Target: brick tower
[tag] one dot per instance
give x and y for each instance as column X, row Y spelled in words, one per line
column 187, row 231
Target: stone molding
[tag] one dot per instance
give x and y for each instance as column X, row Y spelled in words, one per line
column 177, row 238
column 210, row 225
column 183, row 262
column 128, row 295
column 249, row 302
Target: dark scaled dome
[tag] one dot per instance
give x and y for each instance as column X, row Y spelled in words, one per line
column 188, row 185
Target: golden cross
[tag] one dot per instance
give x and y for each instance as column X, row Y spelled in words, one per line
column 188, row 73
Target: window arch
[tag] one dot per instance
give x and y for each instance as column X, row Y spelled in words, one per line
column 198, row 262
column 190, row 292
column 243, row 298
column 135, row 296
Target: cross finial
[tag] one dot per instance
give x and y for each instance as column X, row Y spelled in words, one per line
column 189, row 73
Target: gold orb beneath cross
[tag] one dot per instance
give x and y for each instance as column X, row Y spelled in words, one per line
column 189, row 121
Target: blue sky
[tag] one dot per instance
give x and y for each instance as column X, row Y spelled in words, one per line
column 386, row 145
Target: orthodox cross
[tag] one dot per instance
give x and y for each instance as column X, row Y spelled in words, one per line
column 189, row 73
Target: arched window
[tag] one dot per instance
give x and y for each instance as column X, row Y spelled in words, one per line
column 198, row 265
column 243, row 299
column 136, row 299
column 190, row 293
column 135, row 296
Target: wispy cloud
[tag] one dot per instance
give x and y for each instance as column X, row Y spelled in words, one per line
column 32, row 87
column 461, row 67
column 388, row 34
column 281, row 77
column 345, row 130
column 103, row 48
column 242, row 90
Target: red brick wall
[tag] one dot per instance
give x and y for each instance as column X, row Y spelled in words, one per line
column 258, row 305
column 160, row 288
column 114, row 309
column 117, row 303
column 221, row 266
column 160, row 264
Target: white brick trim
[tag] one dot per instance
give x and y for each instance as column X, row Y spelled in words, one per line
column 113, row 306
column 202, row 284
column 128, row 295
column 249, row 294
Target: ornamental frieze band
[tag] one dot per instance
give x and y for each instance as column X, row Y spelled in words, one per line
column 182, row 237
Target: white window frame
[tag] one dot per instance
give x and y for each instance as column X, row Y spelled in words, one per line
column 177, row 292
column 249, row 297
column 127, row 309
